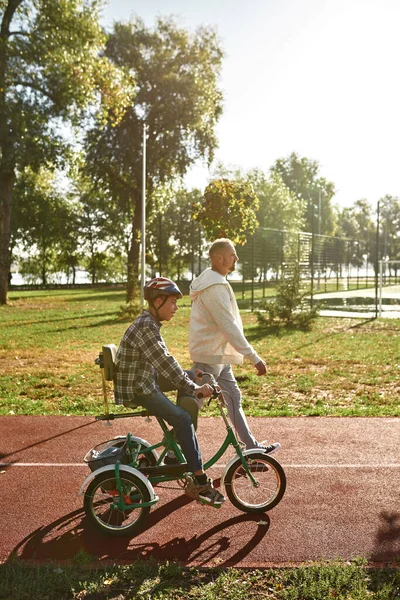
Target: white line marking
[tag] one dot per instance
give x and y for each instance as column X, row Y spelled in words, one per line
column 43, row 465
column 222, row 465
column 347, row 466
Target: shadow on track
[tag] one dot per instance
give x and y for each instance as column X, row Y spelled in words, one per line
column 387, row 540
column 225, row 544
column 49, row 439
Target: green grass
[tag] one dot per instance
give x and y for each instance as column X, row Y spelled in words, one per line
column 49, row 340
column 169, row 581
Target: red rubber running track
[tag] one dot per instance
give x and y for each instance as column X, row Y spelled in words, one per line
column 342, row 498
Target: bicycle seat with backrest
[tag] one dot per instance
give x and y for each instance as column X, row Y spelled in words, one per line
column 109, row 353
column 106, row 362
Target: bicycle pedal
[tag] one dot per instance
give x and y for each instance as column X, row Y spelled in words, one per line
column 191, row 489
column 203, row 503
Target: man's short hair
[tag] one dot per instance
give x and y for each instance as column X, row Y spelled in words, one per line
column 219, row 245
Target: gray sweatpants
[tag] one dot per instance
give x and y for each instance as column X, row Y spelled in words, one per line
column 233, row 398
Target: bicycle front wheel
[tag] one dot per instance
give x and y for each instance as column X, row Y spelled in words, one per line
column 268, row 490
column 102, row 503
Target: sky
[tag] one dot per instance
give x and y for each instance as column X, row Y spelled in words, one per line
column 316, row 77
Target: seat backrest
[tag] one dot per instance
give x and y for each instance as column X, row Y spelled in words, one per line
column 109, row 354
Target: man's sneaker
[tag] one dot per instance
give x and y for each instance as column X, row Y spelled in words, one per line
column 206, row 494
column 270, row 448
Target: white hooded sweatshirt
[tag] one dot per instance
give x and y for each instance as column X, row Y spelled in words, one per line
column 216, row 329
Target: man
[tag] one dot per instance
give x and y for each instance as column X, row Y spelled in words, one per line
column 216, row 339
column 141, row 358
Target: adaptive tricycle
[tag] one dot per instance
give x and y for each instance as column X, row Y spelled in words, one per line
column 119, row 491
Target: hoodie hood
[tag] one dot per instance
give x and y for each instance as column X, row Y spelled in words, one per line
column 204, row 281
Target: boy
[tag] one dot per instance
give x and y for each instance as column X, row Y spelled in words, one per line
column 141, row 358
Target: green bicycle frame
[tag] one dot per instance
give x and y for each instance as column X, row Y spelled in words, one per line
column 169, row 473
column 172, row 472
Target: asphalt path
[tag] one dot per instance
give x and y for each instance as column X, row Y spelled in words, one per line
column 389, row 311
column 342, row 498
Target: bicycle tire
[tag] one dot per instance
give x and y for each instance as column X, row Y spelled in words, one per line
column 270, row 476
column 101, row 499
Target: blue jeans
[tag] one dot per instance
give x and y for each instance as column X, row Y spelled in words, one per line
column 159, row 405
column 184, row 400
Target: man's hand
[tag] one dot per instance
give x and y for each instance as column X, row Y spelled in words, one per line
column 204, row 391
column 261, row 368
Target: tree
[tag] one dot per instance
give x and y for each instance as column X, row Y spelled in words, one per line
column 177, row 98
column 279, row 208
column 98, row 226
column 389, row 247
column 42, row 221
column 228, row 210
column 50, row 71
column 301, row 176
column 173, row 234
column 356, row 223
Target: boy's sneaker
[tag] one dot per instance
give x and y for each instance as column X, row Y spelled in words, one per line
column 170, row 458
column 206, row 494
column 209, row 495
column 270, row 448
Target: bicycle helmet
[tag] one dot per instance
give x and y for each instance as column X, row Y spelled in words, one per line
column 161, row 286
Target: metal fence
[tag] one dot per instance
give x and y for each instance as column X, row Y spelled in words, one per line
column 326, row 264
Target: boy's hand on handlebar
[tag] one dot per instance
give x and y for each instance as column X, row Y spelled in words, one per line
column 204, row 391
column 261, row 368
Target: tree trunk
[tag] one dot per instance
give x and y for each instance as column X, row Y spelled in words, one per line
column 6, row 192
column 7, row 172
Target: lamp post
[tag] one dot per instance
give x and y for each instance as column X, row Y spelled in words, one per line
column 143, row 249
column 377, row 259
column 319, row 238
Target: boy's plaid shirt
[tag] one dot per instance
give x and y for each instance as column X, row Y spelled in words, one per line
column 141, row 355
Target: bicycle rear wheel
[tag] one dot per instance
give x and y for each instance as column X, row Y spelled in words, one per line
column 102, row 499
column 270, row 487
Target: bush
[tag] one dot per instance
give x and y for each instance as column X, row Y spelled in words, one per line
column 129, row 311
column 290, row 307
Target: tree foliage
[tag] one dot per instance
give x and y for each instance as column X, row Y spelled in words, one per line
column 357, row 223
column 178, row 99
column 175, row 239
column 279, row 208
column 43, row 226
column 390, row 227
column 51, row 71
column 301, row 176
column 228, row 210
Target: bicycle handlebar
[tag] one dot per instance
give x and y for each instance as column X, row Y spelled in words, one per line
column 215, row 395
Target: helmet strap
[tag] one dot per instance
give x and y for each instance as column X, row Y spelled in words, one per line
column 161, row 305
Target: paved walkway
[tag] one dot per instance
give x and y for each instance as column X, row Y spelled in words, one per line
column 342, row 498
column 389, row 311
